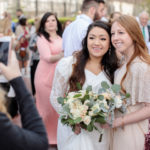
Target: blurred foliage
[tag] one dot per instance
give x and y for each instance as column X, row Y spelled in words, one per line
column 61, row 19
column 15, row 20
column 64, row 19
column 145, row 5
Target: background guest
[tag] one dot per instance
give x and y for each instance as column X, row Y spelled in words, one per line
column 49, row 44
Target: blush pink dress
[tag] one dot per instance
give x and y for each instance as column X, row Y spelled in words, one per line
column 43, row 84
column 137, row 83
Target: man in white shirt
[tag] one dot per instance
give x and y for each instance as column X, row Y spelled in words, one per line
column 145, row 28
column 75, row 32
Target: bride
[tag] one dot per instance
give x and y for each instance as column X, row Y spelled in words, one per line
column 96, row 62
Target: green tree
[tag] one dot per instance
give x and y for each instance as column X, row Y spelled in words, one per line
column 145, row 5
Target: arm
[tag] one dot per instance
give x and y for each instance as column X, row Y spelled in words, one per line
column 139, row 115
column 32, row 135
column 60, row 83
column 45, row 53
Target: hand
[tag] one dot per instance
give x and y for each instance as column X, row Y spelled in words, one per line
column 12, row 70
column 77, row 129
column 117, row 122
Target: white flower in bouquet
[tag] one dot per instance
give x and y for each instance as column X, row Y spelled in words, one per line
column 93, row 95
column 83, row 109
column 86, row 102
column 75, row 113
column 95, row 108
column 75, row 104
column 87, row 120
column 77, row 109
column 104, row 102
column 118, row 101
column 70, row 100
column 91, row 113
column 107, row 95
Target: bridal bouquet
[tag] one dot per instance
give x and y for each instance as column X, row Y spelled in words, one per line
column 86, row 108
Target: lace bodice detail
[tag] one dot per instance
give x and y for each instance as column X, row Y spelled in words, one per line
column 62, row 74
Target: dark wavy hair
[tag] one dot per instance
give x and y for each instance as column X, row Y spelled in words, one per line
column 41, row 29
column 109, row 60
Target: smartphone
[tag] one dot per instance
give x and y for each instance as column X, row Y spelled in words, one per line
column 5, row 47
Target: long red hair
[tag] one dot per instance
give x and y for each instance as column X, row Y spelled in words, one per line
column 133, row 29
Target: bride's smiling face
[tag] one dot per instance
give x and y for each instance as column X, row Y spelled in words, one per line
column 98, row 42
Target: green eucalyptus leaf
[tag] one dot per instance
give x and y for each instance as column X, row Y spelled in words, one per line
column 90, row 104
column 116, row 88
column 90, row 128
column 101, row 97
column 78, row 120
column 101, row 114
column 77, row 95
column 86, row 97
column 101, row 90
column 66, row 108
column 105, row 85
column 64, row 121
column 71, row 122
column 89, row 88
column 60, row 100
column 128, row 95
column 101, row 120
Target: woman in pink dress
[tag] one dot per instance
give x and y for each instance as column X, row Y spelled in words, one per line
column 49, row 45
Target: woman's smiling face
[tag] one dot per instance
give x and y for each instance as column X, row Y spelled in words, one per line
column 98, row 42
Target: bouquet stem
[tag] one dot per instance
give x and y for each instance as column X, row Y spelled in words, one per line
column 101, row 135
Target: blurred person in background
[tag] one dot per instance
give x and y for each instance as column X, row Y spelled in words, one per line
column 145, row 28
column 19, row 13
column 66, row 23
column 75, row 32
column 105, row 15
column 114, row 15
column 31, row 27
column 49, row 45
column 34, row 56
column 5, row 24
column 22, row 36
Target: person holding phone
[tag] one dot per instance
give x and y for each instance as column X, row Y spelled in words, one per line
column 5, row 46
column 32, row 135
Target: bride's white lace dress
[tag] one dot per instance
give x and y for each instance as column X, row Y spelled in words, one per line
column 66, row 139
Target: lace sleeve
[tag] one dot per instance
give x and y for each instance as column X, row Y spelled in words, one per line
column 60, row 82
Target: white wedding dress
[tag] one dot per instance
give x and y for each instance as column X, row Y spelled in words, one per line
column 66, row 138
